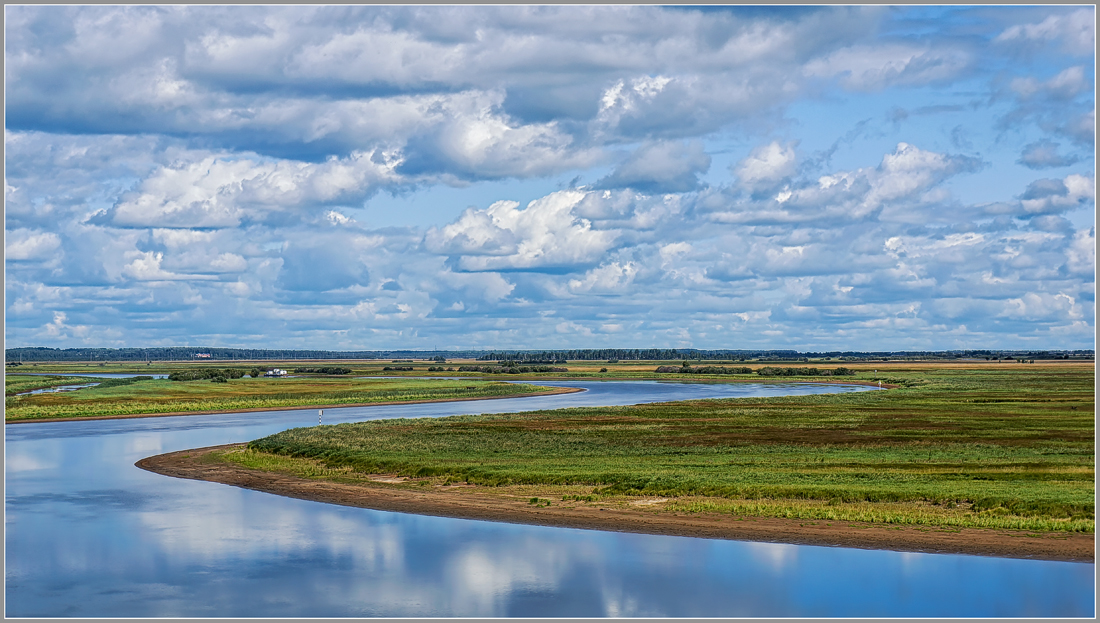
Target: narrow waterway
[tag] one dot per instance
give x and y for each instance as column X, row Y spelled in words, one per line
column 89, row 534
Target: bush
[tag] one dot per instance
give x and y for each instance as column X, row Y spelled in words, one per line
column 686, row 369
column 201, row 374
column 511, row 369
column 325, row 370
column 770, row 371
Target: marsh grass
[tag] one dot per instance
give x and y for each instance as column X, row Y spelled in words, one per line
column 1006, row 448
column 17, row 384
column 125, row 397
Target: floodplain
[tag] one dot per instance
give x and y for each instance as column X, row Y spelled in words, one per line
column 997, row 446
column 130, row 397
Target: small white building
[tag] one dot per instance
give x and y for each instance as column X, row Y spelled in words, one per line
column 275, row 372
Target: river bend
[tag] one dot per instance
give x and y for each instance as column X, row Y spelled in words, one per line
column 89, row 534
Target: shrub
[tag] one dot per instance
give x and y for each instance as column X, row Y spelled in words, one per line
column 771, row 371
column 686, row 369
column 201, row 374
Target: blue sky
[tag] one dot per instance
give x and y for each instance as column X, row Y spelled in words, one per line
column 818, row 178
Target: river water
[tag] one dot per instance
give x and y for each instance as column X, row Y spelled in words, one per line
column 88, row 534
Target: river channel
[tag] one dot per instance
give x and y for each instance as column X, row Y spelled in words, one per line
column 88, row 534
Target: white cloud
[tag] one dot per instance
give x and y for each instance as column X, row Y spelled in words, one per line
column 767, row 166
column 235, row 159
column 1044, row 155
column 867, row 68
column 1050, row 196
column 60, row 329
column 219, row 192
column 1075, row 32
column 26, row 244
column 1081, row 254
column 544, row 234
column 661, row 167
column 613, row 277
column 1042, row 306
column 1068, row 84
column 146, row 266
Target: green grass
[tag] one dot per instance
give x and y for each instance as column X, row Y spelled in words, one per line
column 125, row 397
column 18, row 384
column 1007, row 447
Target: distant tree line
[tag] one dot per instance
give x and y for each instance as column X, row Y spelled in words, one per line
column 188, row 353
column 626, row 354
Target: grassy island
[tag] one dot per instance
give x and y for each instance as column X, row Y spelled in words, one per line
column 130, row 397
column 955, row 446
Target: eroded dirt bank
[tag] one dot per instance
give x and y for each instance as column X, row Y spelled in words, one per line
column 466, row 502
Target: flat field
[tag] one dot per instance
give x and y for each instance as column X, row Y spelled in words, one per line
column 124, row 397
column 18, row 384
column 998, row 445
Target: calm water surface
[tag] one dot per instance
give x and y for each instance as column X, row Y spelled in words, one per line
column 89, row 534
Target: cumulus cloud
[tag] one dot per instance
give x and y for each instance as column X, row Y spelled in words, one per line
column 1069, row 83
column 544, row 235
column 1081, row 254
column 766, row 167
column 1075, row 32
column 904, row 186
column 220, row 192
column 1044, row 155
column 1042, row 306
column 167, row 164
column 867, row 68
column 27, row 244
column 472, row 138
column 1048, row 196
column 661, row 167
column 613, row 277
column 1060, row 105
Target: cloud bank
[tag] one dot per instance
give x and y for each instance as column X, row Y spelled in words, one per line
column 545, row 177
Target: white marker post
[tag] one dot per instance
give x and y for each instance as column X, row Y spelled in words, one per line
column 319, row 413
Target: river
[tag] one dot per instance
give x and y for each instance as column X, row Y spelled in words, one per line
column 90, row 535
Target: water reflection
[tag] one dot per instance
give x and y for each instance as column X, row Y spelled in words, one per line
column 88, row 534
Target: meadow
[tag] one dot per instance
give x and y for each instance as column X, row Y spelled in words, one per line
column 1001, row 446
column 120, row 397
column 18, row 384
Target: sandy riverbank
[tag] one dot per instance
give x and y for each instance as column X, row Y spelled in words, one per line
column 556, row 390
column 466, row 502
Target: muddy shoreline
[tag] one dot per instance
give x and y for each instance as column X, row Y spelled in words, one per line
column 463, row 502
column 555, row 391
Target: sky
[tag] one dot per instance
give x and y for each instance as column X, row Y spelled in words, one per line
column 531, row 177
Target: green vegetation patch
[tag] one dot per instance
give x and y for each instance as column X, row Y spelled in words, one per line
column 134, row 396
column 1008, row 448
column 19, row 384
